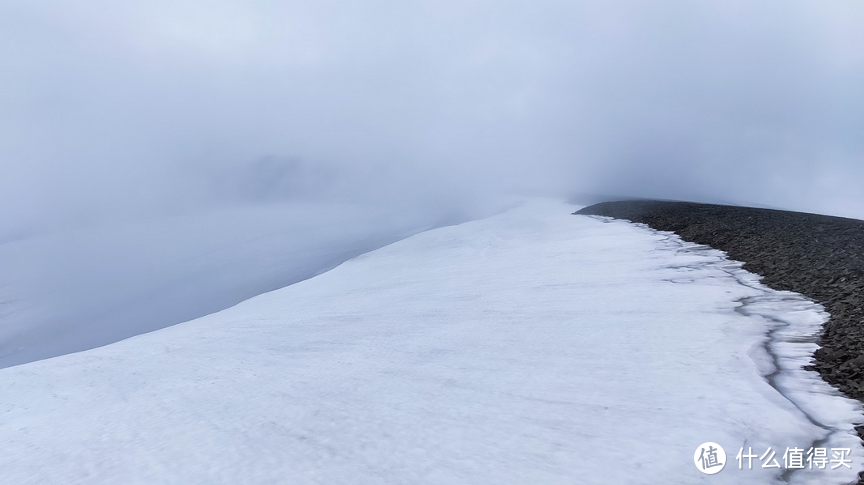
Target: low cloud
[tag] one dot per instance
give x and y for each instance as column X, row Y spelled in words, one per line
column 119, row 110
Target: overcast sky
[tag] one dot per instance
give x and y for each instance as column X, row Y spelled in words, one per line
column 111, row 107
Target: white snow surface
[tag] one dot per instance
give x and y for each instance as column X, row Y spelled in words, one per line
column 532, row 347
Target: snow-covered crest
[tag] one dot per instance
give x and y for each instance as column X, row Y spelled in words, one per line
column 531, row 347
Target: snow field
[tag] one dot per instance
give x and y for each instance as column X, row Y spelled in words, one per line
column 530, row 347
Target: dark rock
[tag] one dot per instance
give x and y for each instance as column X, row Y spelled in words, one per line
column 821, row 257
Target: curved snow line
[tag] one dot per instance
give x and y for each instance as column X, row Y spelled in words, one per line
column 530, row 347
column 796, row 323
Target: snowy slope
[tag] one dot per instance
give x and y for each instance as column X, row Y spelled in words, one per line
column 74, row 290
column 531, row 347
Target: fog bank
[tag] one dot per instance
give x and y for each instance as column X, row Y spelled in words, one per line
column 116, row 109
column 164, row 159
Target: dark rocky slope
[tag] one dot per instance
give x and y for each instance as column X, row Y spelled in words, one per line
column 819, row 256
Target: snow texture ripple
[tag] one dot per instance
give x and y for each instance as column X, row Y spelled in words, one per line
column 529, row 347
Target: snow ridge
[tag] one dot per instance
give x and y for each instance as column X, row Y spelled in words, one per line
column 529, row 347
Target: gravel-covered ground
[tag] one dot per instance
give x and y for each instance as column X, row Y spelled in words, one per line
column 819, row 256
